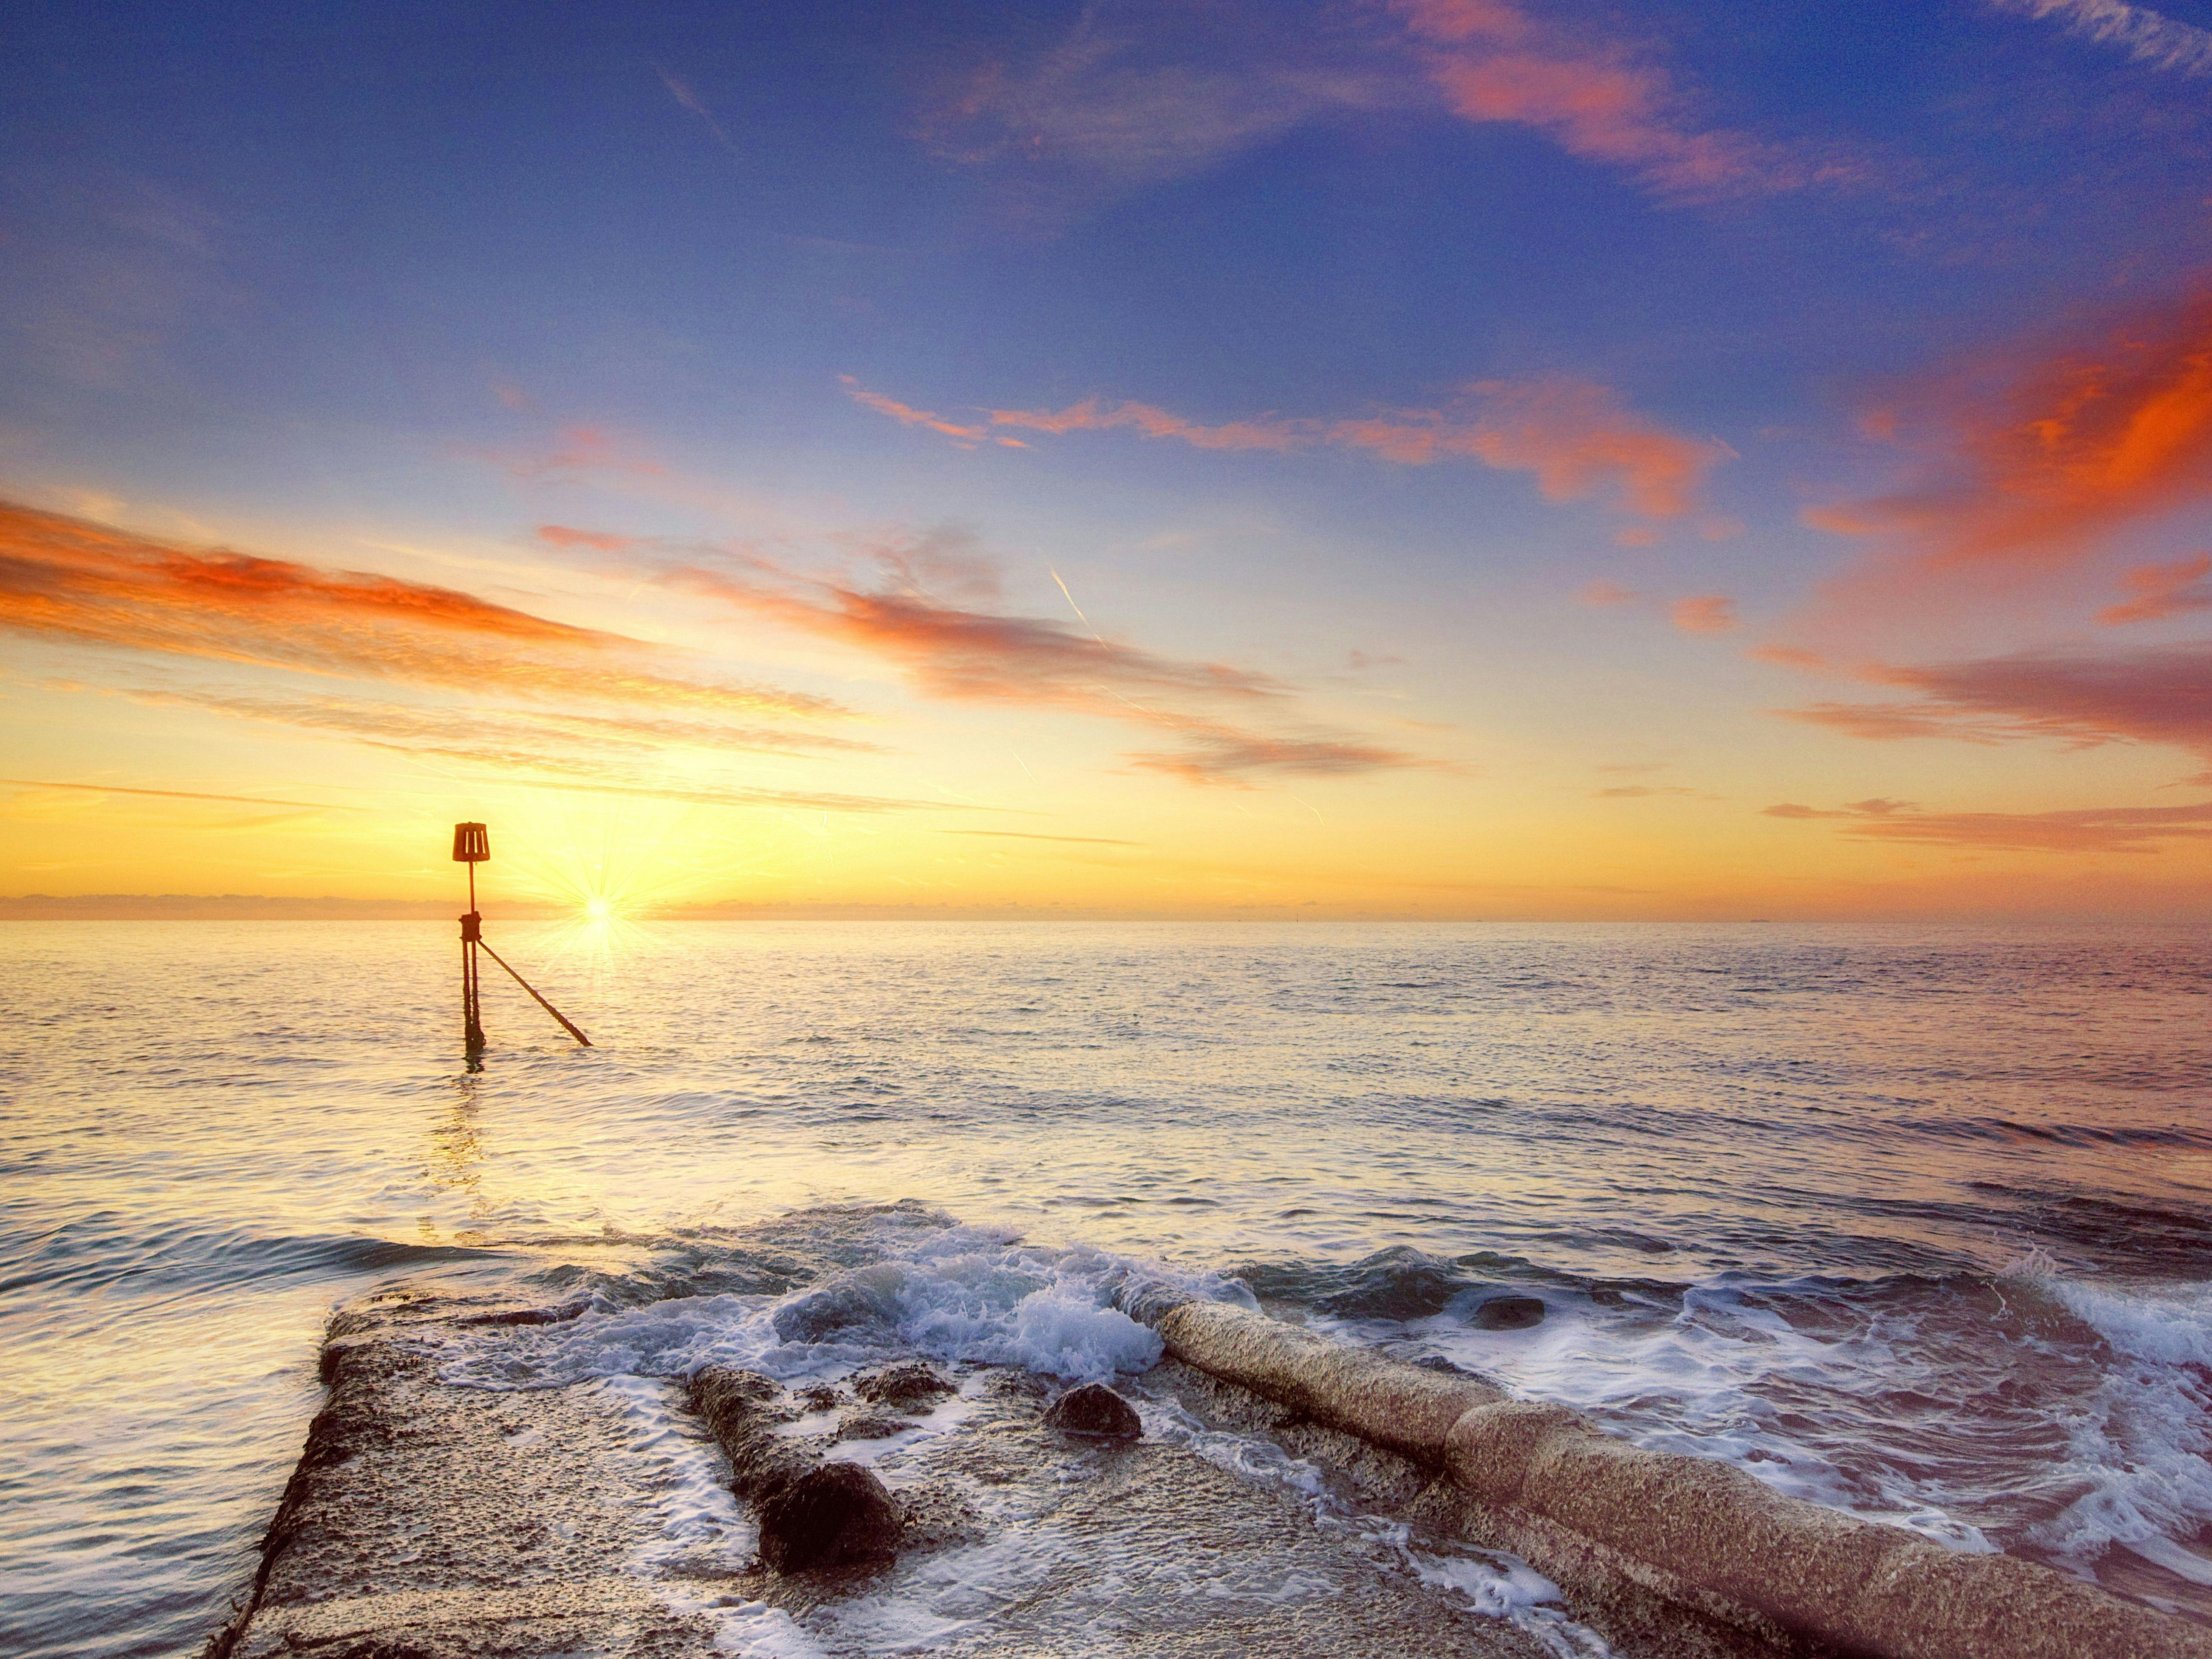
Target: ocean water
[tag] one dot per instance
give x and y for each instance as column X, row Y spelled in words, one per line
column 1912, row 1221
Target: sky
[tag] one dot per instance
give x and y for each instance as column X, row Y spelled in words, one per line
column 1433, row 458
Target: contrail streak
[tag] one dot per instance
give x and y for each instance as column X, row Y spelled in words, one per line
column 170, row 794
column 1071, row 604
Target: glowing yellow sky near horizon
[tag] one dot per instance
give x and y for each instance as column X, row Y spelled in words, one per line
column 1001, row 810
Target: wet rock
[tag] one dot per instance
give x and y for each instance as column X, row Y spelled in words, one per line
column 903, row 1387
column 871, row 1425
column 821, row 1398
column 933, row 1514
column 839, row 1515
column 1509, row 1313
column 812, row 1514
column 1094, row 1409
column 559, row 1315
column 1015, row 1385
column 847, row 1310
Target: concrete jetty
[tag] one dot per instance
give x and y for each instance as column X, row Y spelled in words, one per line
column 1659, row 1551
column 978, row 1511
column 431, row 1520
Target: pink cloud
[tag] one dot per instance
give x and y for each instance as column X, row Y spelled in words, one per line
column 579, row 452
column 560, row 535
column 2160, row 591
column 1707, row 613
column 2162, row 697
column 1577, row 439
column 2086, row 830
column 1494, row 64
column 906, row 414
column 1601, row 592
column 961, row 652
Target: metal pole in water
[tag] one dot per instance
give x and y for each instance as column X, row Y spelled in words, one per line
column 472, row 846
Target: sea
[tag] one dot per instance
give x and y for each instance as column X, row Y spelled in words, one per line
column 1914, row 1221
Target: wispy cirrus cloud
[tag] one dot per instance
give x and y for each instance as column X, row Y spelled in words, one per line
column 601, row 754
column 683, row 92
column 1577, row 440
column 2033, row 458
column 2084, row 829
column 167, row 794
column 1025, row 835
column 905, row 415
column 1138, row 93
column 66, row 579
column 2145, row 35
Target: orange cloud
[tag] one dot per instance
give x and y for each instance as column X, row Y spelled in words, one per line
column 2033, row 460
column 2086, row 829
column 66, row 579
column 1708, row 613
column 1578, row 440
column 2162, row 591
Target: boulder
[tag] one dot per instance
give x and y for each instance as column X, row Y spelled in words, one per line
column 904, row 1386
column 1095, row 1409
column 839, row 1516
column 864, row 1424
column 1509, row 1313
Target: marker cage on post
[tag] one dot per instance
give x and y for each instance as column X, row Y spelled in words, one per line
column 472, row 846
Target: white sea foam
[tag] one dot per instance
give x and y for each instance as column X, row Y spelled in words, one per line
column 1702, row 1381
column 952, row 1293
column 2141, row 1441
column 1728, row 1376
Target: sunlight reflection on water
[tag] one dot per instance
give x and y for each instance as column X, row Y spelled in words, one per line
column 1752, row 1172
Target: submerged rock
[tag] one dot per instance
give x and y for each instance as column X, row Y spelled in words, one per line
column 871, row 1425
column 1094, row 1409
column 839, row 1515
column 1509, row 1313
column 904, row 1386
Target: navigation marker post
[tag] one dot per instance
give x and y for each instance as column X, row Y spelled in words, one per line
column 472, row 846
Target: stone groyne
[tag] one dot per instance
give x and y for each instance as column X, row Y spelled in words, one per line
column 1639, row 1539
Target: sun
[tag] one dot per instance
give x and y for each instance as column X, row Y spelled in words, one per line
column 599, row 909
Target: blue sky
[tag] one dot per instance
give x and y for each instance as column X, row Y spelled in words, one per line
column 1574, row 387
